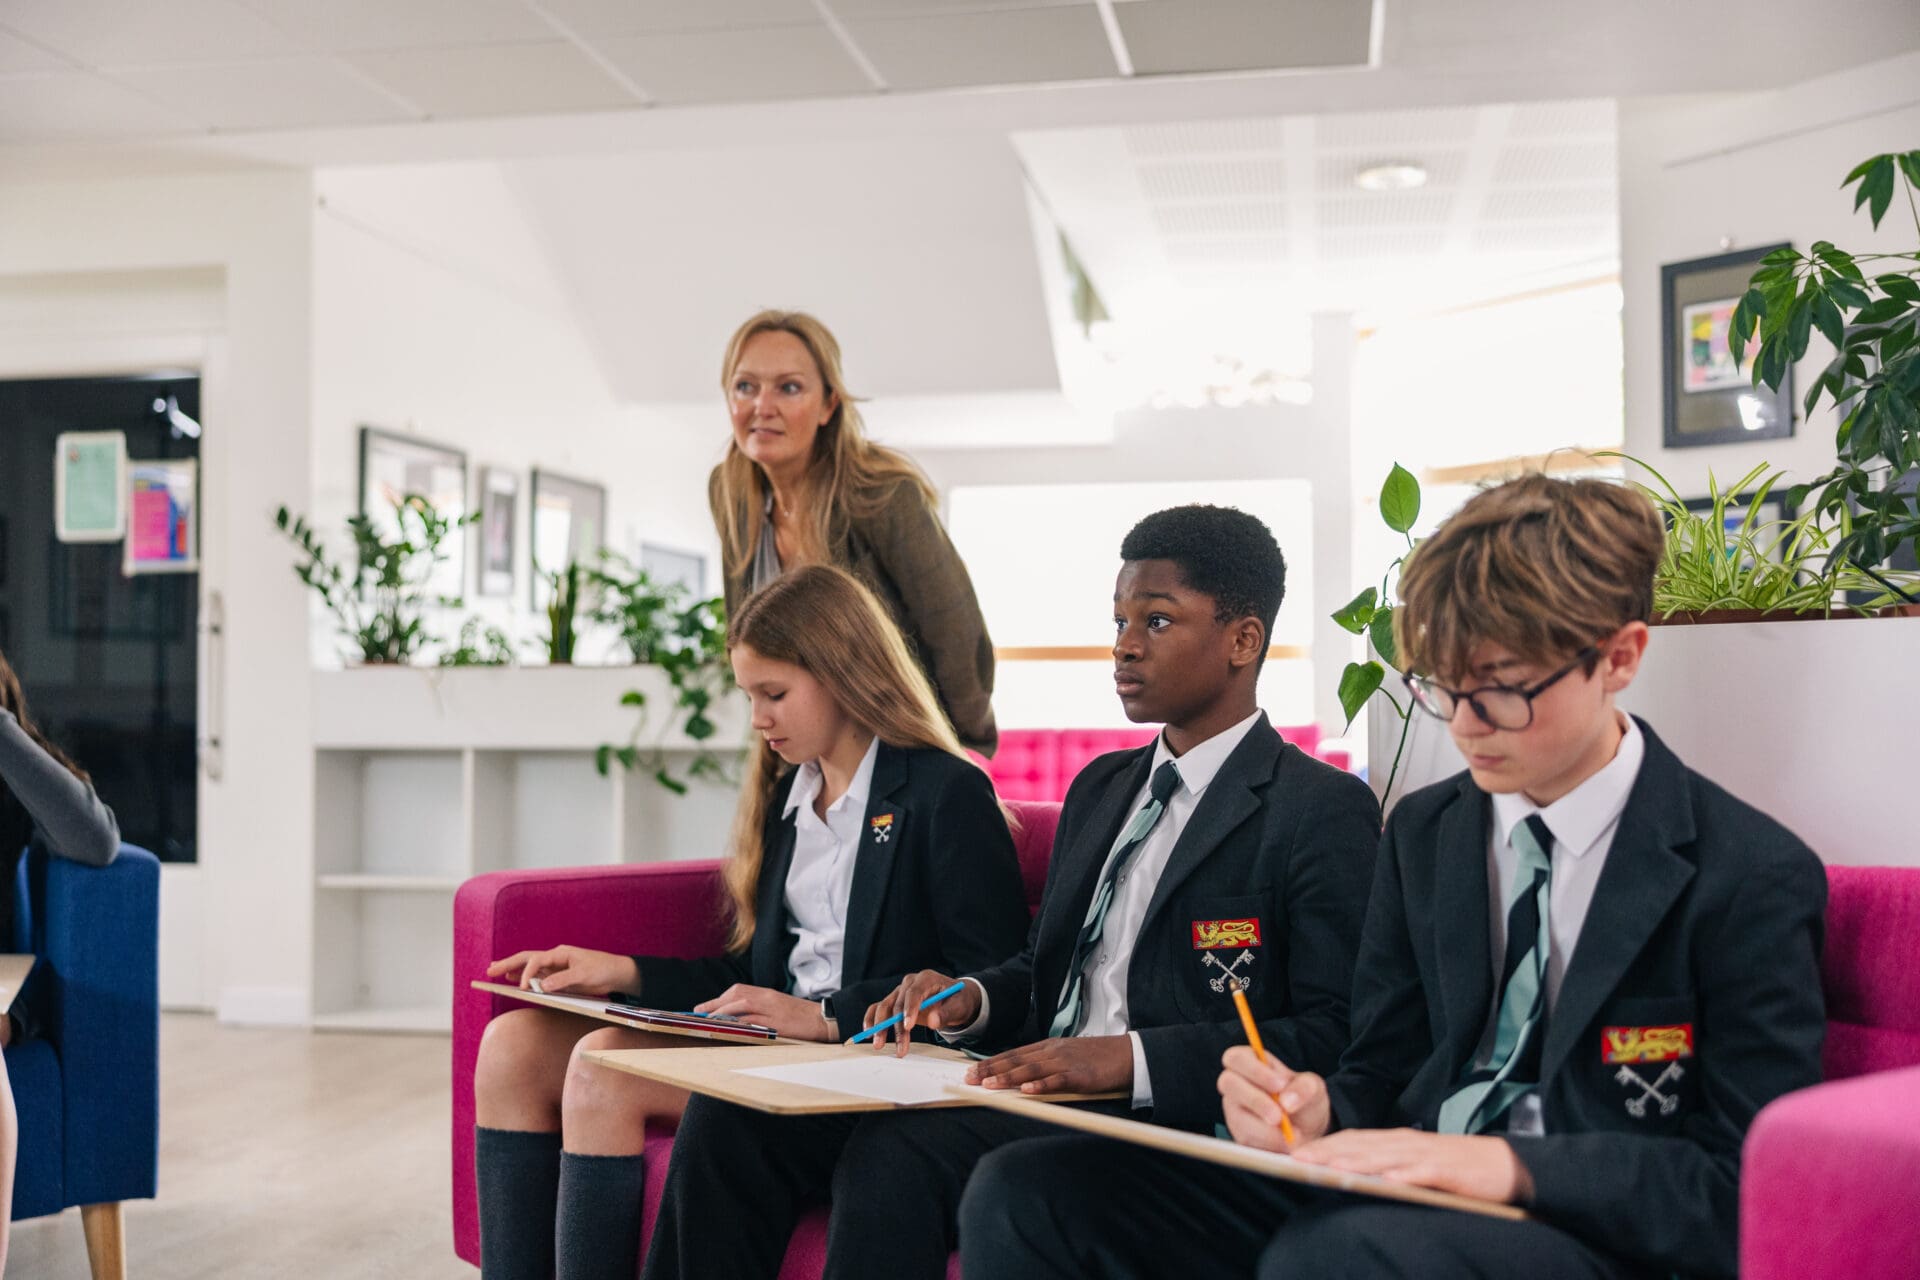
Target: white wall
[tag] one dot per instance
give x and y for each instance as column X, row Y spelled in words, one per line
column 255, row 231
column 1749, row 169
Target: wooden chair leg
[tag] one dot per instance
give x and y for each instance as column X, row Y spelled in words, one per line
column 106, row 1240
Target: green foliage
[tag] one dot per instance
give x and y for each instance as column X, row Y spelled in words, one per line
column 1717, row 559
column 480, row 645
column 380, row 602
column 1873, row 379
column 1369, row 614
column 685, row 638
column 563, row 608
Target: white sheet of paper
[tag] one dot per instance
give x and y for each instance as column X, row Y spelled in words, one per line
column 907, row 1082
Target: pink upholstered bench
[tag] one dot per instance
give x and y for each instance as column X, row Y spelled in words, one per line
column 1039, row 764
column 667, row 908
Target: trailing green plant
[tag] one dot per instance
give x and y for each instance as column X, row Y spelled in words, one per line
column 563, row 608
column 1873, row 322
column 1717, row 558
column 690, row 647
column 480, row 645
column 643, row 611
column 1370, row 614
column 379, row 602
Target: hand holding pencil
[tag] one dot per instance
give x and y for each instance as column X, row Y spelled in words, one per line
column 1266, row 1104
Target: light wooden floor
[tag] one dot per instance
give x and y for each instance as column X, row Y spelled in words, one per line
column 283, row 1153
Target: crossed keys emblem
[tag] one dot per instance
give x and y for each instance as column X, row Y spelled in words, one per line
column 1227, row 973
column 1669, row 1102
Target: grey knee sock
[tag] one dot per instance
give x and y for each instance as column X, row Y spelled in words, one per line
column 519, row 1182
column 599, row 1229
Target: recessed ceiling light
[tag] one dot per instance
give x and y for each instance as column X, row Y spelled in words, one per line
column 1397, row 175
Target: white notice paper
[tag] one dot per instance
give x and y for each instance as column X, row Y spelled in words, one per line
column 907, row 1082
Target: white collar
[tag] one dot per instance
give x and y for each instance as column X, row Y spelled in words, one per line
column 1203, row 760
column 1579, row 818
column 807, row 785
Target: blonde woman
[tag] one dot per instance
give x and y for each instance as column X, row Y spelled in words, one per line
column 867, row 846
column 801, row 484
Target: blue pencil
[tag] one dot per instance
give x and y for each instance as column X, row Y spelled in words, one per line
column 928, row 1003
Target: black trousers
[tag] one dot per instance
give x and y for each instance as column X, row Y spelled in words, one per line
column 1077, row 1206
column 740, row 1179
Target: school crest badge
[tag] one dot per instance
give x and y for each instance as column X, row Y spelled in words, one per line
column 1626, row 1046
column 881, row 825
column 1211, row 937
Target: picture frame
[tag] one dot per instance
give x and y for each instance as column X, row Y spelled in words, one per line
column 672, row 565
column 499, row 510
column 567, row 521
column 90, row 486
column 163, row 516
column 1705, row 398
column 393, row 465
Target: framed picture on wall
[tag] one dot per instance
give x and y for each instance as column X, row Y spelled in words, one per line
column 1706, row 398
column 569, row 524
column 499, row 496
column 393, row 466
column 685, row 568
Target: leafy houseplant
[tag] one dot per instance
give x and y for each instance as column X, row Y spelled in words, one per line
column 1369, row 614
column 1873, row 378
column 480, row 645
column 380, row 603
column 688, row 641
column 563, row 606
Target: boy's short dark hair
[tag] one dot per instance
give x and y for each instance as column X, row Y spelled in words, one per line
column 1539, row 566
column 1221, row 552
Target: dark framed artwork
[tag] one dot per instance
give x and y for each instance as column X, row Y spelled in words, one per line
column 568, row 524
column 670, row 565
column 394, row 465
column 499, row 499
column 1705, row 397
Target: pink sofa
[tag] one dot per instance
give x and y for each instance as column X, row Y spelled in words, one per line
column 1038, row 764
column 1829, row 1176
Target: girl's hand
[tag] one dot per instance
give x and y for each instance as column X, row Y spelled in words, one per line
column 789, row 1015
column 568, row 971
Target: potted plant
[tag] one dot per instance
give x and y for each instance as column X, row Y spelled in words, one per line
column 1873, row 380
column 380, row 602
column 480, row 645
column 563, row 607
column 1370, row 614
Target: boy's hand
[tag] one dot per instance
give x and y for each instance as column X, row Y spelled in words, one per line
column 791, row 1016
column 957, row 1010
column 568, row 971
column 1247, row 1086
column 1485, row 1168
column 1063, row 1064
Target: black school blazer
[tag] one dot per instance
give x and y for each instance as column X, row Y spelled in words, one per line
column 1279, row 839
column 1691, row 1001
column 936, row 885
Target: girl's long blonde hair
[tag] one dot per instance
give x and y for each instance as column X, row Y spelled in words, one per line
column 849, row 476
column 822, row 620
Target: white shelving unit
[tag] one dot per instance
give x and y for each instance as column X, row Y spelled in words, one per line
column 425, row 777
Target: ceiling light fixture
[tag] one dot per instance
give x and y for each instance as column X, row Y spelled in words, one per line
column 1395, row 175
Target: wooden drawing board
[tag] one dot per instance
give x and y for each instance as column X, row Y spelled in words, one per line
column 1234, row 1156
column 593, row 1007
column 721, row 1076
column 13, row 975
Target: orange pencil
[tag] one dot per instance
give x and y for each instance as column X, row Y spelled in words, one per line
column 1260, row 1052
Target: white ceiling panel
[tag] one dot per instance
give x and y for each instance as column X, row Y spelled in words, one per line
column 1376, row 131
column 1009, row 46
column 1206, row 137
column 596, row 19
column 1375, row 243
column 495, row 80
column 1169, row 37
column 1562, row 121
column 287, row 93
column 1589, row 162
column 403, row 24
column 1354, row 208
column 1242, row 217
column 1213, row 179
column 75, row 105
column 1336, row 170
column 748, row 65
column 106, row 33
column 1549, row 204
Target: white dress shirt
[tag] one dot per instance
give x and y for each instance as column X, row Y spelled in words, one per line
column 820, row 877
column 1583, row 823
column 1104, row 990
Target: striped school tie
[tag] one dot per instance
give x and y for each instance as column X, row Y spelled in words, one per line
column 1513, row 1066
column 1067, row 1018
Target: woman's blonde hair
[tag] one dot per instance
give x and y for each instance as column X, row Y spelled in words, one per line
column 1539, row 566
column 822, row 620
column 848, row 477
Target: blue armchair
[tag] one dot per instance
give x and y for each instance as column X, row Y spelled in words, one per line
column 87, row 1085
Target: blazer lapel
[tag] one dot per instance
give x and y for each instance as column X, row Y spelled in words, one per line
column 880, row 835
column 1461, row 951
column 772, row 941
column 1067, row 910
column 1230, row 800
column 1637, row 887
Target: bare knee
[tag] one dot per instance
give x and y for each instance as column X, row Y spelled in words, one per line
column 604, row 1108
column 521, row 1068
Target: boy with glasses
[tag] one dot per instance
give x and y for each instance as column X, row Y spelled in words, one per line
column 1584, row 969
